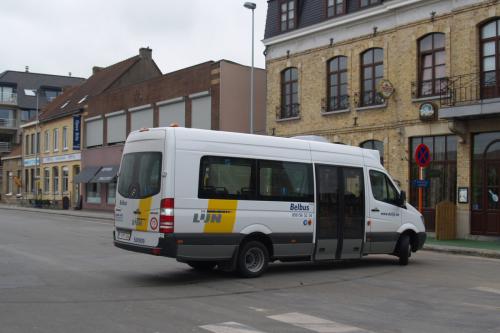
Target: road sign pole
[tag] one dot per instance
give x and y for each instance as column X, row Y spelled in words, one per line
column 420, row 190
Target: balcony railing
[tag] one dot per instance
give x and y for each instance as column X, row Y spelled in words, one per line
column 336, row 103
column 288, row 111
column 470, row 89
column 5, row 147
column 430, row 88
column 370, row 100
column 8, row 122
column 8, row 98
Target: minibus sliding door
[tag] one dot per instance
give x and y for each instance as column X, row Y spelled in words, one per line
column 340, row 212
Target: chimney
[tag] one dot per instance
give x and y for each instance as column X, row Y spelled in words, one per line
column 96, row 69
column 145, row 53
column 27, row 69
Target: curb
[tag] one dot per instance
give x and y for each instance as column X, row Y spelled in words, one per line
column 61, row 213
column 463, row 251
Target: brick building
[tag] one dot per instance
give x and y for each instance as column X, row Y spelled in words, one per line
column 329, row 62
column 52, row 157
column 211, row 95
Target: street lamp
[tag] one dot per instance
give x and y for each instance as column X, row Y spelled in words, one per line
column 252, row 6
column 34, row 92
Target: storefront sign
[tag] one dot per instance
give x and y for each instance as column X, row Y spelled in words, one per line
column 77, row 120
column 62, row 158
column 29, row 162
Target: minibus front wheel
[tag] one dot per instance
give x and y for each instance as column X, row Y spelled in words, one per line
column 253, row 259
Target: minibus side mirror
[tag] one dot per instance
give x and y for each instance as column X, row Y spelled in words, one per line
column 402, row 199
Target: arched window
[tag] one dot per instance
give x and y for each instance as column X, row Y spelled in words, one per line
column 372, row 71
column 289, row 93
column 338, row 98
column 375, row 145
column 490, row 59
column 432, row 64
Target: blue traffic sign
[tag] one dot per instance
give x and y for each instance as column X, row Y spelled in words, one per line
column 421, row 183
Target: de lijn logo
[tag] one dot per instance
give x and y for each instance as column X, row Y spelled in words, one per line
column 298, row 207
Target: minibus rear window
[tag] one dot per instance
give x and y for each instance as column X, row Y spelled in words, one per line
column 140, row 175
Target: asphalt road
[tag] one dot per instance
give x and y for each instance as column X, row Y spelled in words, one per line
column 61, row 274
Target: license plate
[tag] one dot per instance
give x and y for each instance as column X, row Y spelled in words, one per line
column 124, row 235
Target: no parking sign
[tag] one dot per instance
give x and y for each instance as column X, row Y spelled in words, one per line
column 423, row 155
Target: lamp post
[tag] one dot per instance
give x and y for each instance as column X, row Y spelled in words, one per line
column 252, row 6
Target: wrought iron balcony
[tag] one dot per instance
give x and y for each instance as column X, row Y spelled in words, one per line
column 8, row 98
column 290, row 111
column 370, row 100
column 432, row 89
column 336, row 103
column 471, row 95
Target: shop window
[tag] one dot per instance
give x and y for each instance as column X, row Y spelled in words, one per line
column 55, row 180
column 46, row 180
column 65, row 179
column 111, row 193
column 93, row 193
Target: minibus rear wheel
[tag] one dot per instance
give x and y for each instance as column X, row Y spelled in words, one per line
column 404, row 250
column 253, row 259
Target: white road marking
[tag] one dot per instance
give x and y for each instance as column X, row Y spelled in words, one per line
column 230, row 327
column 488, row 290
column 257, row 309
column 315, row 324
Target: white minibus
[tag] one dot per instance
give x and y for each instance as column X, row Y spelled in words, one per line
column 239, row 201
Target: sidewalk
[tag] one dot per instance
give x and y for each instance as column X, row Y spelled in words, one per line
column 108, row 216
column 490, row 249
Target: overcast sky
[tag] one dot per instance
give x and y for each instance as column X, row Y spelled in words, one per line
column 61, row 36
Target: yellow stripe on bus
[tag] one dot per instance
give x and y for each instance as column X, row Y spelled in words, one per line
column 221, row 216
column 144, row 208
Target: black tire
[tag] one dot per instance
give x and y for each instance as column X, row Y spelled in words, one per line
column 202, row 265
column 253, row 259
column 404, row 250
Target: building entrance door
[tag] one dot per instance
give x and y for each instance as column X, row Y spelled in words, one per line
column 485, row 216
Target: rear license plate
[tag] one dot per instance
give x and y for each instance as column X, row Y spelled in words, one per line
column 124, row 235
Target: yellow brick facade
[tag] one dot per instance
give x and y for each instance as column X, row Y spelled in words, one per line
column 57, row 160
column 398, row 121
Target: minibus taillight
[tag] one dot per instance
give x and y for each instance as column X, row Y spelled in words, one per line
column 167, row 216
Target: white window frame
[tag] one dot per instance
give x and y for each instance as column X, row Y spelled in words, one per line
column 65, row 137
column 55, row 141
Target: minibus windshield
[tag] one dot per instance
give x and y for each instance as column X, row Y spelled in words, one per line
column 140, row 175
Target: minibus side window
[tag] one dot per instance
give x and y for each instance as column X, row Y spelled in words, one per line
column 382, row 187
column 226, row 178
column 285, row 181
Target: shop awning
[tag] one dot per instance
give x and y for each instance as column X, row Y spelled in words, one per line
column 107, row 174
column 86, row 174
